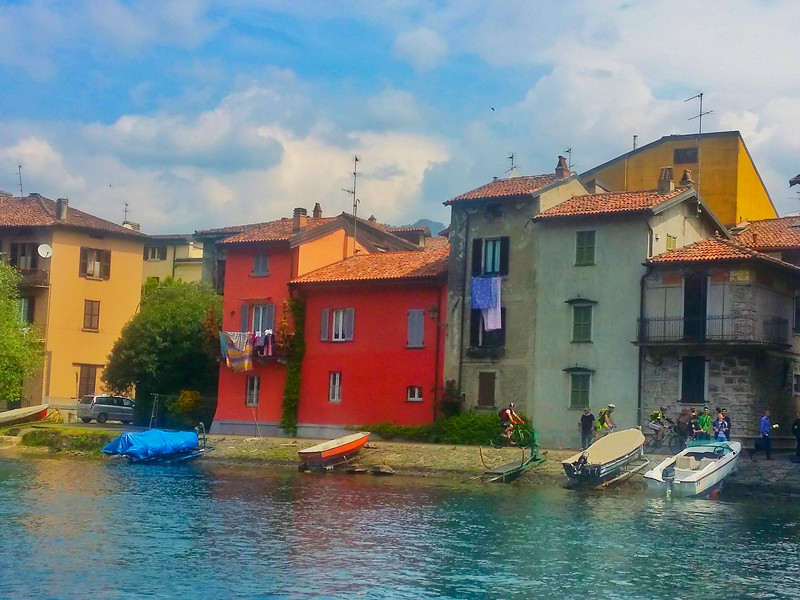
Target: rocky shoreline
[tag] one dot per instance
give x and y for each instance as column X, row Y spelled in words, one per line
column 778, row 477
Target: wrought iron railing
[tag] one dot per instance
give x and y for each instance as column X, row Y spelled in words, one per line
column 34, row 278
column 724, row 328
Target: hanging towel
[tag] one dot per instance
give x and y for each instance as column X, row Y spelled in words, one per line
column 239, row 359
column 493, row 315
column 482, row 292
column 239, row 339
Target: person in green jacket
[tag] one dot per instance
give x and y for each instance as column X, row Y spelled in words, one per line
column 705, row 423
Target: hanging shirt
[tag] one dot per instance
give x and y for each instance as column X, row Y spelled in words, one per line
column 482, row 292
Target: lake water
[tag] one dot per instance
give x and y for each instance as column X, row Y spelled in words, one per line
column 97, row 529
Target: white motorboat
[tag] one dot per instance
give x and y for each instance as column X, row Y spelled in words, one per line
column 697, row 470
column 605, row 458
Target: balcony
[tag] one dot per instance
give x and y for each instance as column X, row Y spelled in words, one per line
column 491, row 352
column 728, row 329
column 33, row 278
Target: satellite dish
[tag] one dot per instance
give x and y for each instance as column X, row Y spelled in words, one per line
column 44, row 250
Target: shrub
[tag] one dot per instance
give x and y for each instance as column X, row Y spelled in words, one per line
column 468, row 428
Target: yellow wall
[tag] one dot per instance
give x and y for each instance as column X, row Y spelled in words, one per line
column 67, row 344
column 186, row 271
column 728, row 181
column 321, row 252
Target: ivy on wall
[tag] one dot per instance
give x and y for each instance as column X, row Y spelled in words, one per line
column 297, row 348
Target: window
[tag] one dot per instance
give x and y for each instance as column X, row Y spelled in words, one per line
column 337, row 327
column 480, row 338
column 335, row 387
column 582, row 323
column 579, row 389
column 693, row 379
column 796, row 385
column 91, row 315
column 253, row 386
column 26, row 310
column 23, row 256
column 486, row 388
column 416, row 328
column 263, row 317
column 414, row 393
column 682, row 156
column 672, row 242
column 584, row 248
column 95, row 264
column 490, row 256
column 87, row 379
column 796, row 327
column 261, row 265
column 155, row 253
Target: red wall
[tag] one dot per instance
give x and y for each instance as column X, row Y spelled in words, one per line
column 242, row 288
column 376, row 366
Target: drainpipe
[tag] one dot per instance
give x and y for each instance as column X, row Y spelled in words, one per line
column 641, row 348
column 438, row 348
column 463, row 300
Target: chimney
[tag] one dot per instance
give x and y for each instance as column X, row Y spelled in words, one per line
column 61, row 209
column 562, row 169
column 317, row 212
column 665, row 183
column 372, row 219
column 299, row 219
column 132, row 225
column 686, row 179
column 755, row 239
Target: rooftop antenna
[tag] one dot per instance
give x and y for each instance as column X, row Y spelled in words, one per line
column 19, row 174
column 355, row 200
column 699, row 117
column 635, row 141
column 513, row 166
column 568, row 152
column 125, row 213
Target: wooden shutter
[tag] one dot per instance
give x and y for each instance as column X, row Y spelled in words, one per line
column 146, row 252
column 475, row 327
column 269, row 317
column 14, row 255
column 244, row 323
column 416, row 328
column 84, row 261
column 105, row 264
column 324, row 326
column 477, row 257
column 504, row 249
column 349, row 323
column 486, row 385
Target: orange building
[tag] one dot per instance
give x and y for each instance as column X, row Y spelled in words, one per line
column 719, row 163
column 81, row 282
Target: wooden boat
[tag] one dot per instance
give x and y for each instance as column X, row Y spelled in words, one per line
column 26, row 414
column 605, row 458
column 511, row 471
column 697, row 470
column 333, row 452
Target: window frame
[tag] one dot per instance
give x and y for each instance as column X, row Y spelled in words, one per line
column 694, row 358
column 672, row 242
column 335, row 387
column 685, row 156
column 87, row 373
column 338, row 324
column 582, row 392
column 478, row 335
column 260, row 265
column 252, row 392
column 582, row 330
column 100, row 263
column 414, row 393
column 156, row 253
column 583, row 249
column 500, row 251
column 27, row 309
column 91, row 315
column 260, row 312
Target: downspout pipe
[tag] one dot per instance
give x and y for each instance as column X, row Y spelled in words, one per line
column 642, row 352
column 463, row 305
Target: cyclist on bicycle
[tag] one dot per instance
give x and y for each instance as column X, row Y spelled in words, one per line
column 508, row 418
column 604, row 421
column 658, row 422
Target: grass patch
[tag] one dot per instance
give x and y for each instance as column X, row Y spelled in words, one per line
column 57, row 440
column 468, row 429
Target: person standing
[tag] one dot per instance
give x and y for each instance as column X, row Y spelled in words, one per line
column 727, row 420
column 586, row 426
column 796, row 432
column 705, row 424
column 694, row 425
column 720, row 427
column 765, row 428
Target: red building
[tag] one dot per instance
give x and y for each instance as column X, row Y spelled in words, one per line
column 259, row 262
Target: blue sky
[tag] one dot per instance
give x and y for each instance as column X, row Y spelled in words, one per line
column 203, row 114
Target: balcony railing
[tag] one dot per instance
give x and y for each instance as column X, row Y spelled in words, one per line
column 34, row 278
column 715, row 328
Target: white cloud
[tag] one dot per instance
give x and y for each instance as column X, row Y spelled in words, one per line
column 422, row 47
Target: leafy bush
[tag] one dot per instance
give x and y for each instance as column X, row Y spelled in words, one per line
column 56, row 440
column 468, row 428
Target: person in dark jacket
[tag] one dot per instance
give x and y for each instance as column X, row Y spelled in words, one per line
column 727, row 420
column 765, row 428
column 587, row 428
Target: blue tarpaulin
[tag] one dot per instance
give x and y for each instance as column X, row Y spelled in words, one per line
column 153, row 443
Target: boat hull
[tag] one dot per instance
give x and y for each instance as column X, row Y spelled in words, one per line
column 334, row 451
column 29, row 414
column 606, row 457
column 698, row 482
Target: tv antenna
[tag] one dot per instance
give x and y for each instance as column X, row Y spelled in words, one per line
column 355, row 200
column 699, row 117
column 19, row 174
column 510, row 171
column 568, row 152
column 125, row 213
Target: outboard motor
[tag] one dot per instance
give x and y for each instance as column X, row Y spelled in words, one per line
column 581, row 463
column 669, row 477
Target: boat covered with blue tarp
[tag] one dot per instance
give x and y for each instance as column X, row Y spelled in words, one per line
column 156, row 445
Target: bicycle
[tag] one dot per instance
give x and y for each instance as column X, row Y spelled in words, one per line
column 674, row 440
column 520, row 437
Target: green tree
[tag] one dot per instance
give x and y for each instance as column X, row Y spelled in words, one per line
column 21, row 352
column 170, row 346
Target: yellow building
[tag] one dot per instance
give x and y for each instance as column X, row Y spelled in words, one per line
column 721, row 167
column 175, row 255
column 81, row 282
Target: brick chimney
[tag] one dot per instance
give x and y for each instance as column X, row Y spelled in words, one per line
column 686, row 179
column 61, row 209
column 317, row 212
column 562, row 169
column 665, row 183
column 299, row 219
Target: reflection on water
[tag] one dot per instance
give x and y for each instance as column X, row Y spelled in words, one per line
column 106, row 529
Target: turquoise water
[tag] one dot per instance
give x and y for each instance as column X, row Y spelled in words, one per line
column 76, row 528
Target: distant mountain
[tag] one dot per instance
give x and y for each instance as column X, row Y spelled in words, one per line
column 434, row 226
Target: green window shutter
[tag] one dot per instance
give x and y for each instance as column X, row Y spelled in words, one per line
column 584, row 248
column 581, row 323
column 579, row 390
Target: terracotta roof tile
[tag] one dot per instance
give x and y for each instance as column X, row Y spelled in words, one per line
column 608, row 203
column 382, row 267
column 507, row 188
column 435, row 243
column 272, row 231
column 771, row 234
column 716, row 249
column 37, row 211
